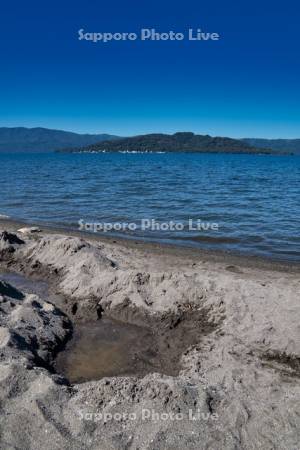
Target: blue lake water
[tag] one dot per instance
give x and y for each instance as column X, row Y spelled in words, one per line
column 255, row 200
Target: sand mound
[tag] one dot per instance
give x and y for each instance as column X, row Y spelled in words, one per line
column 238, row 387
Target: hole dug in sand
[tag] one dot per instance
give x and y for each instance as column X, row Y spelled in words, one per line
column 123, row 341
column 110, row 347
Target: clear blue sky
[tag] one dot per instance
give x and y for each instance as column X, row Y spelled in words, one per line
column 245, row 85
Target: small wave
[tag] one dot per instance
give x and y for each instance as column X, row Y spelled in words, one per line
column 213, row 240
column 4, row 216
column 119, row 151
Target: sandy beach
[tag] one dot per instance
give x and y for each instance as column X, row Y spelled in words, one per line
column 222, row 332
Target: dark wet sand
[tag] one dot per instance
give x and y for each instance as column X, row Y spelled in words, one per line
column 184, row 253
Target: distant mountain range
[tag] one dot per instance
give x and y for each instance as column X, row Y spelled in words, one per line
column 41, row 140
column 278, row 145
column 178, row 142
column 44, row 140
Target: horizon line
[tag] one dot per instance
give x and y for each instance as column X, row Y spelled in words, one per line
column 145, row 133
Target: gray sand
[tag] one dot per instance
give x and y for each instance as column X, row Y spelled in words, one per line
column 237, row 385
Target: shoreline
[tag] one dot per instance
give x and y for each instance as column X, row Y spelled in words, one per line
column 181, row 251
column 224, row 342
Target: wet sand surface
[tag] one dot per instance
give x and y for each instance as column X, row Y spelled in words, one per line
column 170, row 255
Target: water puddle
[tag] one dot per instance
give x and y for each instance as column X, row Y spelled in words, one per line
column 23, row 284
column 108, row 348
